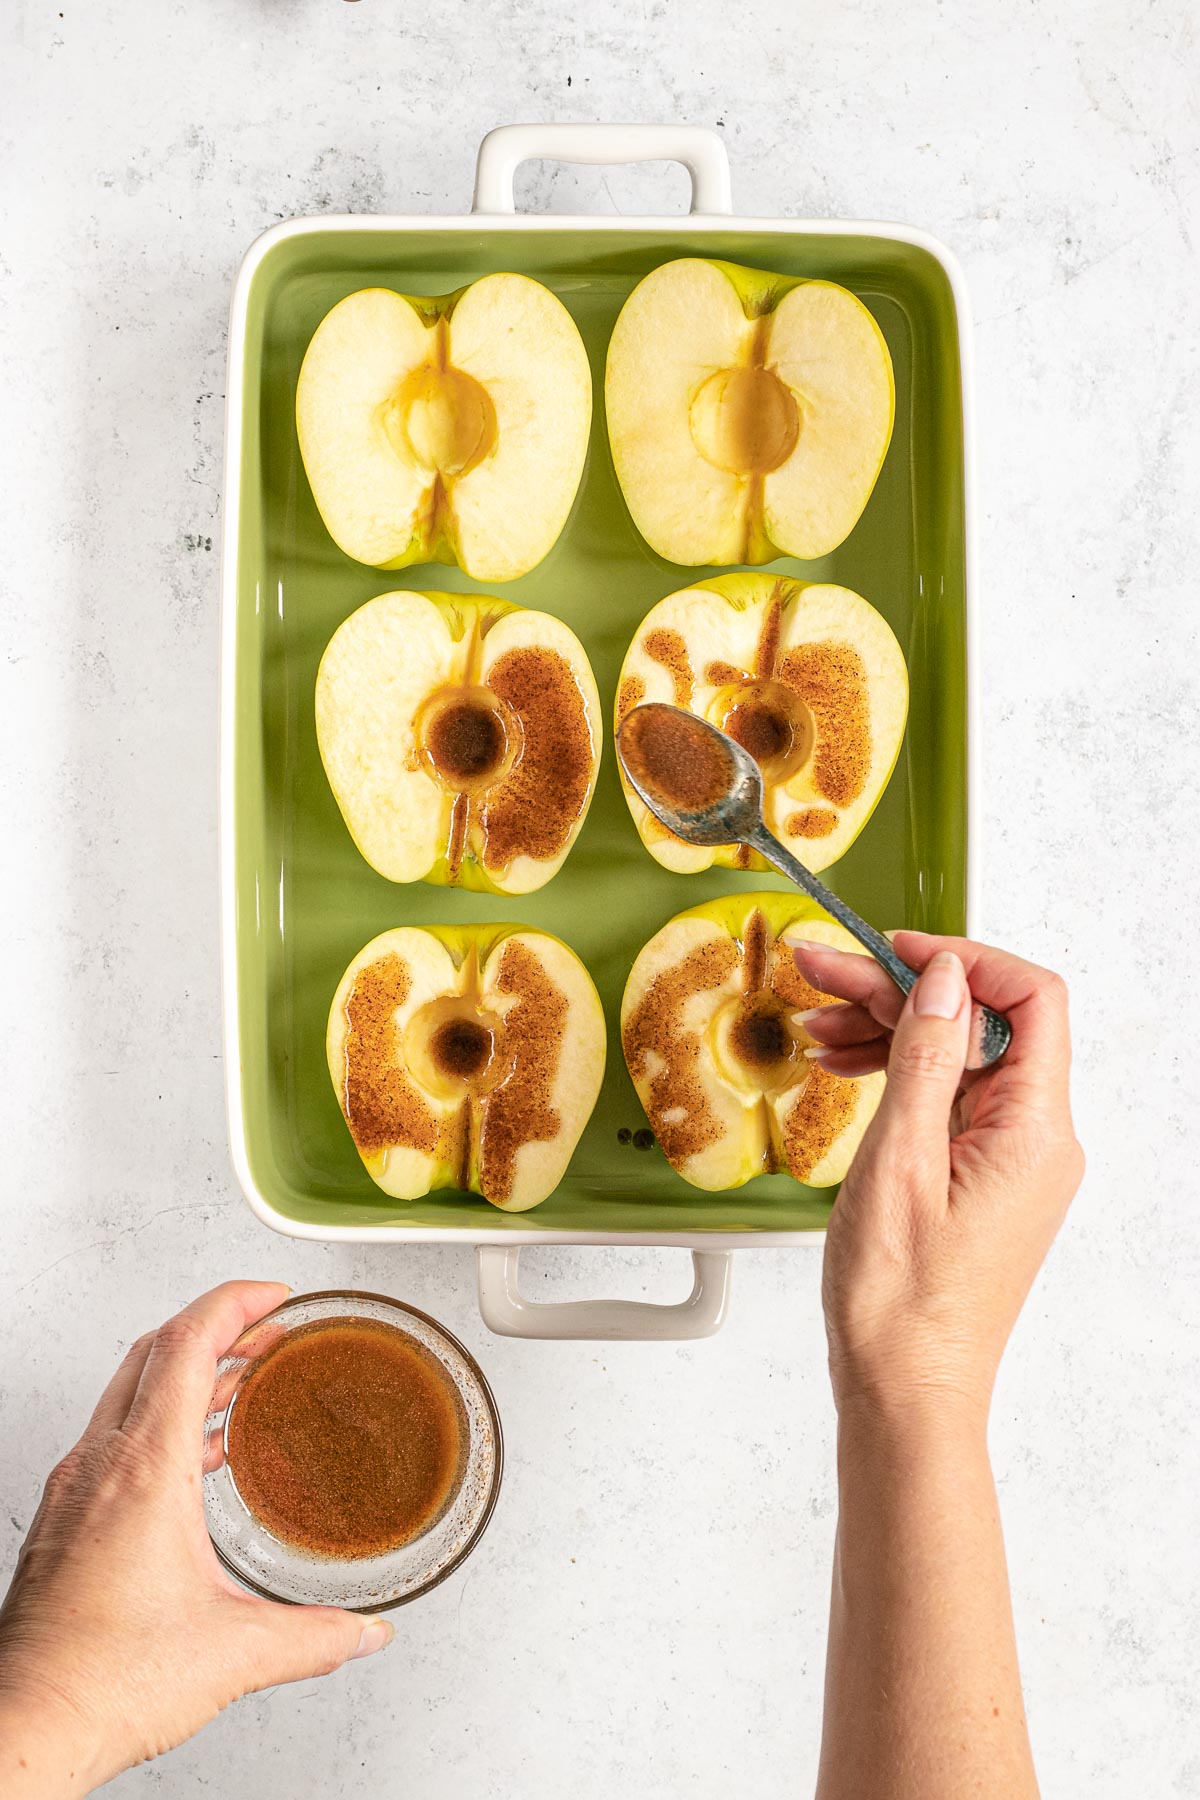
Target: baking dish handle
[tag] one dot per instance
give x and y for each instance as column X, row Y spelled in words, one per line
column 506, row 1311
column 699, row 150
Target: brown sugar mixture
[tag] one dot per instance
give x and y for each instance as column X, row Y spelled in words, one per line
column 655, row 1039
column 831, row 680
column 674, row 756
column 347, row 1439
column 520, row 1110
column 381, row 1105
column 535, row 808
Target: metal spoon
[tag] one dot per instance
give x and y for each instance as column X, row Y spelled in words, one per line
column 733, row 814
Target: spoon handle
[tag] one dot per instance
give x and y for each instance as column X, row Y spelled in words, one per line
column 991, row 1032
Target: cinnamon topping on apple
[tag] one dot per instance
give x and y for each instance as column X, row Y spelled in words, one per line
column 668, row 1058
column 520, row 1110
column 811, row 822
column 381, row 1105
column 630, row 694
column 824, row 1107
column 831, row 680
column 535, row 809
column 670, row 650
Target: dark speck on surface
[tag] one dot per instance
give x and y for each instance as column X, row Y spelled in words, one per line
column 643, row 1139
column 624, row 1135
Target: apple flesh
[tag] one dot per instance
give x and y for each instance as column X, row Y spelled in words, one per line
column 748, row 413
column 715, row 1049
column 467, row 1057
column 446, row 430
column 809, row 678
column 461, row 738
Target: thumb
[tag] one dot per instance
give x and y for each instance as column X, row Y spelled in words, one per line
column 925, row 1064
column 299, row 1642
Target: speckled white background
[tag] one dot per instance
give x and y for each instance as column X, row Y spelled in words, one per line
column 647, row 1615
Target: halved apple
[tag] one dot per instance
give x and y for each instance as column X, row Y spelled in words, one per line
column 451, row 429
column 461, row 738
column 749, row 414
column 715, row 1049
column 466, row 1056
column 809, row 678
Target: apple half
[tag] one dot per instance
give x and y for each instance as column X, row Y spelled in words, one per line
column 451, row 429
column 748, row 413
column 715, row 1049
column 461, row 738
column 466, row 1056
column 808, row 677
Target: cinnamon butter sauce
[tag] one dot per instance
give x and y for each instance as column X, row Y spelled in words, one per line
column 672, row 756
column 347, row 1439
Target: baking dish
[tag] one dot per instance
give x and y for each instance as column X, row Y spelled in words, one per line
column 297, row 899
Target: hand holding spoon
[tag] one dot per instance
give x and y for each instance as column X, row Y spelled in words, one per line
column 707, row 789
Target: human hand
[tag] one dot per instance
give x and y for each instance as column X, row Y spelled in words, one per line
column 121, row 1634
column 961, row 1181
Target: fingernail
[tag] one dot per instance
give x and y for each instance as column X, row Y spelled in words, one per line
column 807, row 944
column 376, row 1636
column 816, row 1052
column 814, row 1012
column 942, row 988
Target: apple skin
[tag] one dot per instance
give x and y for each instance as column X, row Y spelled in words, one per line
column 743, row 593
column 752, row 1113
column 464, row 969
column 465, row 621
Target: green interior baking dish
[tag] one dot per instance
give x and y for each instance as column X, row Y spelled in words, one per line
column 300, row 897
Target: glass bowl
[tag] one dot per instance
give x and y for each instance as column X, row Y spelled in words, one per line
column 282, row 1571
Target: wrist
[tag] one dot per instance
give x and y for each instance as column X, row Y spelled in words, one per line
column 46, row 1748
column 928, row 1423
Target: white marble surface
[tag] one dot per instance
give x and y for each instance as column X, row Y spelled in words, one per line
column 647, row 1616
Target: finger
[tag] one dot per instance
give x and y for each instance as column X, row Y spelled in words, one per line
column 176, row 1383
column 850, row 976
column 855, row 1059
column 296, row 1643
column 1033, row 999
column 911, row 1128
column 112, row 1408
column 839, row 1025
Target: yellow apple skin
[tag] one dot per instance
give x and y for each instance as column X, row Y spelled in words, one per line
column 719, row 1119
column 751, row 625
column 532, row 1096
column 379, row 671
column 450, row 429
column 749, row 413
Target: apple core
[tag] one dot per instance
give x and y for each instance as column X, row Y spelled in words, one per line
column 745, row 421
column 759, row 1036
column 452, row 1046
column 772, row 723
column 468, row 738
column 462, row 1048
column 442, row 419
